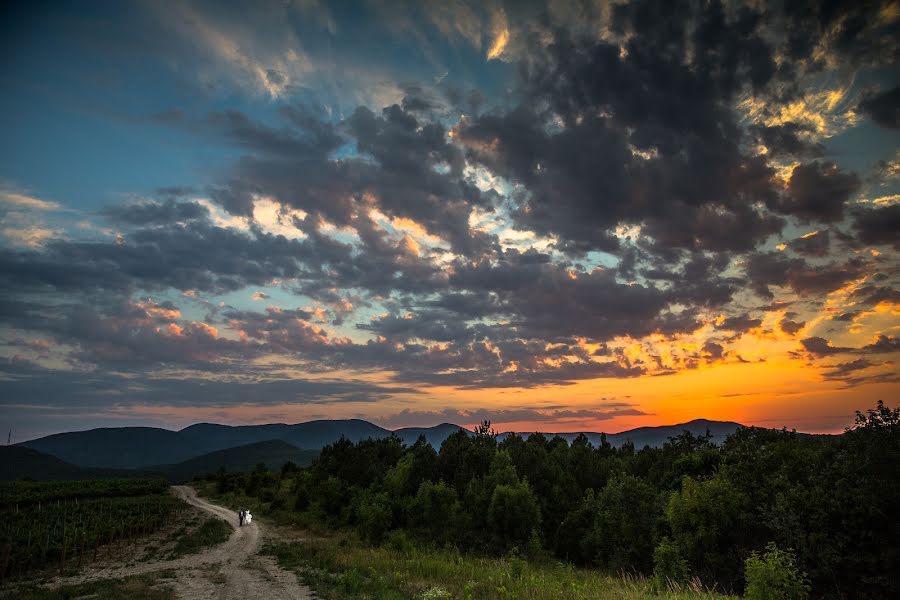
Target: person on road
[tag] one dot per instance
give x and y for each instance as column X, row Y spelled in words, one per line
column 241, row 518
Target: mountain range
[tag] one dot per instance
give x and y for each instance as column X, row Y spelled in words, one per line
column 19, row 462
column 207, row 446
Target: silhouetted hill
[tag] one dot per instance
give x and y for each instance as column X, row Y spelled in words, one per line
column 315, row 434
column 212, row 436
column 657, row 436
column 653, row 436
column 273, row 453
column 118, row 447
column 17, row 462
column 146, row 447
column 435, row 435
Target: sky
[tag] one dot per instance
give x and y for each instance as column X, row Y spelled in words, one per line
column 557, row 215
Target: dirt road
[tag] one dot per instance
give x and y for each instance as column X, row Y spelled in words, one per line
column 233, row 570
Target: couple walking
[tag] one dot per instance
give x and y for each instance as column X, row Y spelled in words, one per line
column 244, row 516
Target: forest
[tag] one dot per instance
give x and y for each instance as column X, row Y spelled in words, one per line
column 811, row 515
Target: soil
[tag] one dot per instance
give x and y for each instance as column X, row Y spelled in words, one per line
column 233, row 570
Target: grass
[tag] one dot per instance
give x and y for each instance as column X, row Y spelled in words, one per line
column 139, row 587
column 237, row 500
column 340, row 567
column 211, row 532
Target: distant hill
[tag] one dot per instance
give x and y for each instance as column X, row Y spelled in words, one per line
column 656, row 436
column 118, row 447
column 17, row 462
column 148, row 447
column 143, row 447
column 434, row 435
column 273, row 453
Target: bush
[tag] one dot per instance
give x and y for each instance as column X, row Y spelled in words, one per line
column 374, row 518
column 707, row 518
column 434, row 511
column 513, row 514
column 669, row 566
column 400, row 543
column 774, row 576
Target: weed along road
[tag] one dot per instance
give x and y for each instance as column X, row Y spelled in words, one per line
column 233, row 570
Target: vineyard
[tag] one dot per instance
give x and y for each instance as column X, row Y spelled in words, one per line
column 64, row 525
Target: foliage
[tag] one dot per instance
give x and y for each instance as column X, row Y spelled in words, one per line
column 774, row 576
column 686, row 510
column 705, row 518
column 337, row 568
column 669, row 566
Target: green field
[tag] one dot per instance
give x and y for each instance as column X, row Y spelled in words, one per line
column 63, row 525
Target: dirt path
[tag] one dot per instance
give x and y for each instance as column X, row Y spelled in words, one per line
column 233, row 570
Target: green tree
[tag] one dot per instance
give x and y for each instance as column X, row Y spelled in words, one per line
column 513, row 514
column 373, row 517
column 435, row 512
column 706, row 518
column 623, row 533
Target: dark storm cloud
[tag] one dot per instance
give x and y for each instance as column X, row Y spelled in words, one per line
column 405, row 166
column 79, row 390
column 817, row 191
column 878, row 225
column 739, row 323
column 883, row 108
column 153, row 212
column 196, row 255
column 131, row 335
column 547, row 300
column 843, row 371
column 855, row 30
column 871, row 295
column 765, row 269
column 791, row 327
column 883, row 344
column 786, row 140
column 437, row 326
column 647, row 135
column 814, row 244
column 819, row 346
column 200, row 256
column 713, row 350
column 846, row 317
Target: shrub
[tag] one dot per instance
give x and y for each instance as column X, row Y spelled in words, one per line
column 374, row 518
column 434, row 510
column 774, row 576
column 399, row 542
column 706, row 519
column 669, row 566
column 513, row 514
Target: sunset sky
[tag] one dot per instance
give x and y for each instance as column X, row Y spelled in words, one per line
column 556, row 215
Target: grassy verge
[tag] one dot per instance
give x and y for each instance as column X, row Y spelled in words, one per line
column 338, row 567
column 279, row 515
column 139, row 587
column 211, row 532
